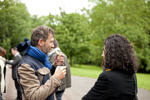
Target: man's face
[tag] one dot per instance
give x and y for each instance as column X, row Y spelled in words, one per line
column 48, row 44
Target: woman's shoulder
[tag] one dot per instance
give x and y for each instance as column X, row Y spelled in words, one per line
column 113, row 74
column 117, row 75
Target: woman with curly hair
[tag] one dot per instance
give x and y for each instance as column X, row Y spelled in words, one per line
column 118, row 80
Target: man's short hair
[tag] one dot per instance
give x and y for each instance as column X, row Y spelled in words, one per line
column 40, row 32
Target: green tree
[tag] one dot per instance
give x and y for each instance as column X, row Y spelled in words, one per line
column 127, row 17
column 15, row 23
column 72, row 34
column 38, row 21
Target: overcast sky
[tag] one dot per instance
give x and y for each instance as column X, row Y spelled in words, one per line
column 44, row 7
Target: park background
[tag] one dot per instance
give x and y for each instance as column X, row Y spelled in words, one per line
column 81, row 35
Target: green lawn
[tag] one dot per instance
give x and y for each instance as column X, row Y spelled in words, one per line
column 94, row 71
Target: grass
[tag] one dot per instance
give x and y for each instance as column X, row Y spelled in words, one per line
column 143, row 81
column 94, row 71
column 86, row 71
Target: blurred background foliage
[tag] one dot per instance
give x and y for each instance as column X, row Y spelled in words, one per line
column 81, row 36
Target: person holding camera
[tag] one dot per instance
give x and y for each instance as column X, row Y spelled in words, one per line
column 54, row 55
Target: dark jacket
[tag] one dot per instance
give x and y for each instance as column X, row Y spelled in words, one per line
column 113, row 85
column 14, row 64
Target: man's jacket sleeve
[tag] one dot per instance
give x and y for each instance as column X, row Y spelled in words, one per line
column 32, row 88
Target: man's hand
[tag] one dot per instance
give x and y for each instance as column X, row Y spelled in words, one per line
column 59, row 61
column 60, row 72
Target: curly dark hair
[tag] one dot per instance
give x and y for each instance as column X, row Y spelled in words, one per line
column 119, row 54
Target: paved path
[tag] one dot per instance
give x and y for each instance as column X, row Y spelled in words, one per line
column 80, row 86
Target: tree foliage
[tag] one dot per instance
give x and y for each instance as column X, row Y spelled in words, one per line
column 81, row 36
column 127, row 17
column 15, row 23
column 72, row 34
